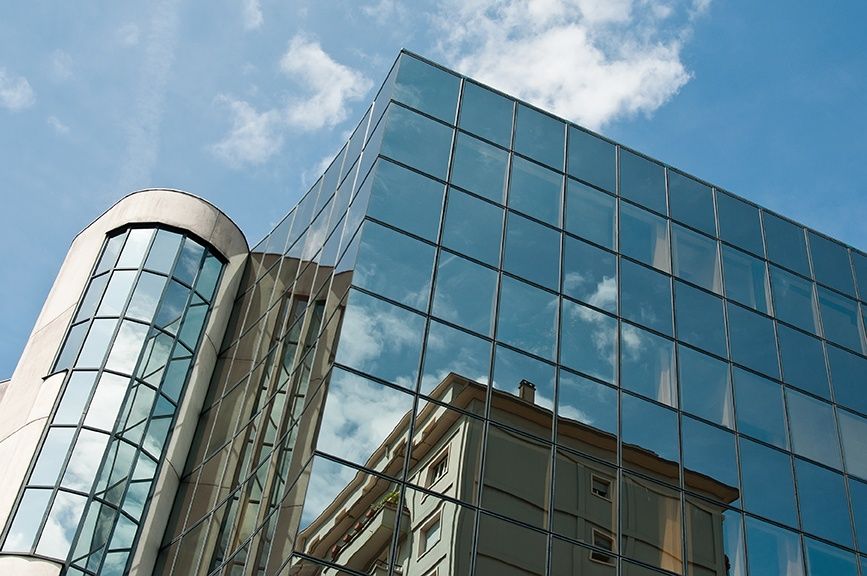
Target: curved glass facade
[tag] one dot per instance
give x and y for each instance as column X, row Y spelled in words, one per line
column 127, row 357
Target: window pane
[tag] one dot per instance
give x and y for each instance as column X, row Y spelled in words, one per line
column 739, row 223
column 417, row 141
column 590, row 214
column 163, row 251
column 768, row 488
column 137, row 242
column 117, row 293
column 831, row 264
column 853, row 431
column 585, row 497
column 826, row 559
column 705, row 387
column 75, row 397
column 699, row 319
column 591, row 159
column 385, row 340
column 426, row 88
column 480, row 167
column 473, row 227
column 91, row 299
column 532, row 251
column 589, row 341
column 647, row 365
column 803, row 361
column 814, row 431
column 61, row 525
column 694, row 258
column 147, row 294
column 487, row 114
column 494, row 557
column 703, row 540
column 72, row 346
column 106, row 401
column 859, row 264
column 746, row 280
column 760, row 408
column 710, row 452
column 465, row 293
column 645, row 296
column 589, row 274
column 535, row 190
column 127, row 347
column 206, row 283
column 510, row 368
column 658, row 545
column 451, row 350
column 644, row 236
column 405, row 199
column 27, row 520
column 752, row 341
column 109, row 255
column 172, row 307
column 840, row 319
column 794, row 301
column 642, row 181
column 691, row 202
column 189, row 261
column 394, row 265
column 539, row 136
column 773, row 550
column 648, row 426
column 591, row 404
column 785, row 244
column 84, row 460
column 567, row 559
column 527, row 318
column 823, row 503
column 858, row 494
column 51, row 456
column 848, row 375
column 96, row 345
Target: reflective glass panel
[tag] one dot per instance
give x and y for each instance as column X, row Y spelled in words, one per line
column 691, row 202
column 510, row 368
column 117, row 293
column 405, row 199
column 642, row 181
column 761, row 413
column 59, row 529
column 91, row 299
column 752, row 341
column 710, row 453
column 75, row 397
column 848, row 373
column 589, row 341
column 823, row 503
column 96, row 344
column 486, row 113
column 505, row 548
column 451, row 350
column 840, row 319
column 591, row 159
column 647, row 364
column 109, row 255
column 163, row 251
column 417, row 141
column 645, row 296
column 568, row 559
column 826, row 559
column 699, row 319
column 381, row 339
column 831, row 264
column 84, row 460
column 705, row 553
column 589, row 274
column 71, row 346
column 746, row 279
column 739, row 223
column 51, row 456
column 394, row 265
column 206, row 283
column 23, row 530
column 658, row 541
column 785, row 244
column 147, row 294
column 426, row 88
column 694, row 258
column 527, row 318
column 535, row 190
column 473, row 227
column 590, row 214
column 648, row 426
column 644, row 236
column 768, row 488
column 134, row 249
column 773, row 550
column 853, row 432
column 110, row 391
column 794, row 301
column 858, row 495
column 479, row 167
column 172, row 307
column 189, row 262
column 539, row 136
column 127, row 347
column 859, row 265
column 589, row 403
column 585, row 497
column 464, row 293
column 705, row 388
column 814, row 432
column 532, row 251
column 803, row 361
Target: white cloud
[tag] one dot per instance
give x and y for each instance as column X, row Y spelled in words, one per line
column 128, row 34
column 251, row 10
column 61, row 65
column 58, row 126
column 330, row 87
column 15, row 92
column 592, row 61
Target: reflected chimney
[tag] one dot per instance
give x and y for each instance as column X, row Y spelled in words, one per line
column 527, row 391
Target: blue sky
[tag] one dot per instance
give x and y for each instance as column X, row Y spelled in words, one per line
column 242, row 101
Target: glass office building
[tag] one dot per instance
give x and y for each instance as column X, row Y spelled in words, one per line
column 486, row 341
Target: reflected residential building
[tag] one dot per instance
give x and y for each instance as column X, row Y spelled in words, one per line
column 486, row 341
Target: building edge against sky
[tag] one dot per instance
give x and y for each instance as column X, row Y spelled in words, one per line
column 253, row 418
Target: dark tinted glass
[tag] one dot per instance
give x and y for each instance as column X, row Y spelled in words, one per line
column 699, row 319
column 691, row 202
column 813, row 428
column 535, row 190
column 486, row 114
column 642, row 181
column 826, row 559
column 803, row 361
column 464, row 293
column 739, row 223
column 644, row 236
column 785, row 244
column 746, row 279
column 645, row 296
column 479, row 167
column 527, row 318
column 751, row 337
column 773, row 550
column 589, row 274
column 493, row 557
column 703, row 539
column 405, row 199
column 859, row 265
column 831, row 264
column 694, row 258
column 794, row 301
column 539, row 136
column 473, row 227
column 663, row 548
column 647, row 365
column 705, row 386
column 858, row 495
column 589, row 340
column 590, row 214
column 426, row 88
column 849, row 376
column 840, row 319
column 760, row 408
column 417, row 141
column 767, row 483
column 532, row 251
column 591, row 159
column 650, row 427
column 823, row 503
column 710, row 452
column 853, row 431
